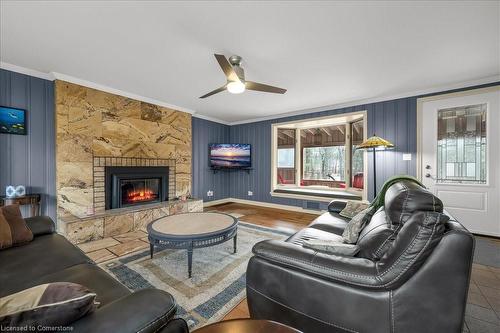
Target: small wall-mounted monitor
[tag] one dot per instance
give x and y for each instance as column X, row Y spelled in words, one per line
column 12, row 120
column 230, row 155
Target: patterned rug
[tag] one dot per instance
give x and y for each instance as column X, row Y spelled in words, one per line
column 218, row 280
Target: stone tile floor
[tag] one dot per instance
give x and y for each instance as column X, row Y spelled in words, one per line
column 483, row 305
column 112, row 247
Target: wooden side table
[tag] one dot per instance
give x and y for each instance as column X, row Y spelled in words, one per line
column 247, row 326
column 33, row 200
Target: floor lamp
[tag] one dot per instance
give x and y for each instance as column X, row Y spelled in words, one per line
column 374, row 142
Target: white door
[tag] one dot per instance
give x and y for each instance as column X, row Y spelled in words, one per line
column 460, row 155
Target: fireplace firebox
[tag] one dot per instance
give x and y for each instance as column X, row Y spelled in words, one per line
column 129, row 186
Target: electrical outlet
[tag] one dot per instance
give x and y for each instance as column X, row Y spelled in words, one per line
column 406, row 157
column 210, row 193
column 250, row 193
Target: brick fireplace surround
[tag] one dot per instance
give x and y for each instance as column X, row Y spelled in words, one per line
column 100, row 163
column 103, row 223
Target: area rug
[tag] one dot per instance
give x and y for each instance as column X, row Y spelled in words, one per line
column 218, row 280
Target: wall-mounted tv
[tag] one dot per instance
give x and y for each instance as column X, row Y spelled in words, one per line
column 230, row 155
column 12, row 120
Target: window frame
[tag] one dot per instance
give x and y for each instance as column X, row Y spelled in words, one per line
column 339, row 119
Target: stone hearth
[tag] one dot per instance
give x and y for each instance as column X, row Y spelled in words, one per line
column 115, row 222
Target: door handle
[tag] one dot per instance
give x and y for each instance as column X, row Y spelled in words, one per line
column 428, row 175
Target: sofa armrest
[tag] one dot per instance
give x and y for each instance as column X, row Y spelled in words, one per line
column 353, row 271
column 40, row 225
column 336, row 206
column 146, row 310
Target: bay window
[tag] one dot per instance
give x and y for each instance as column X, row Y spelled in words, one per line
column 319, row 157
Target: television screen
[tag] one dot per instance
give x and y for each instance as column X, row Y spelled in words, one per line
column 230, row 155
column 12, row 121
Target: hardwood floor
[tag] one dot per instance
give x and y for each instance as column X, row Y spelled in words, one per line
column 483, row 308
column 268, row 217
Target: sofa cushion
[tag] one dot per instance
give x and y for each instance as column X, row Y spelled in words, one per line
column 411, row 247
column 91, row 276
column 48, row 305
column 373, row 238
column 19, row 233
column 330, row 222
column 312, row 233
column 404, row 198
column 44, row 255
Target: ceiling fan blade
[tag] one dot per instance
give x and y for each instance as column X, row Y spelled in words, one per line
column 250, row 85
column 226, row 68
column 218, row 90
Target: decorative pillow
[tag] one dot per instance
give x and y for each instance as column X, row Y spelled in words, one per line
column 356, row 224
column 331, row 247
column 352, row 208
column 51, row 304
column 13, row 228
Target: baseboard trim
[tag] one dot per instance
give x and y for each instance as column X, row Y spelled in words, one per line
column 215, row 202
column 263, row 204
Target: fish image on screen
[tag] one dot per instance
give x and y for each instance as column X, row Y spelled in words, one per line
column 226, row 155
column 12, row 120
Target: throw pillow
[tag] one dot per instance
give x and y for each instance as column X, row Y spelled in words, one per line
column 352, row 208
column 51, row 304
column 331, row 247
column 356, row 224
column 5, row 233
column 19, row 231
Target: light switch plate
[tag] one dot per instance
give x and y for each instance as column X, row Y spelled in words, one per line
column 406, row 157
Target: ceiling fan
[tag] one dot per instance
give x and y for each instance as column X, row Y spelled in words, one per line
column 236, row 83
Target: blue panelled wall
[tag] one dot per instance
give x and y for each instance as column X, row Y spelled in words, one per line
column 394, row 120
column 30, row 159
column 204, row 179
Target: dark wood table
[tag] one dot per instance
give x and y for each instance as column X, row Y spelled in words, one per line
column 247, row 326
column 29, row 199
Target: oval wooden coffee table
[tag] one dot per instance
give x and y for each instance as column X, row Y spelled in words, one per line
column 247, row 326
column 192, row 230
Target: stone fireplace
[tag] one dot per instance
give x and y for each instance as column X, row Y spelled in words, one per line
column 99, row 133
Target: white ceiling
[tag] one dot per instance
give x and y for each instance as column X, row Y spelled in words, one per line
column 324, row 53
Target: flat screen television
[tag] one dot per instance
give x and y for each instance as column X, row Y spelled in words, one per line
column 230, row 155
column 12, row 120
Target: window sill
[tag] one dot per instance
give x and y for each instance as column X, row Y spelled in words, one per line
column 315, row 194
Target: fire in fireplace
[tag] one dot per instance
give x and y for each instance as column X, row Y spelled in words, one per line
column 127, row 186
column 139, row 190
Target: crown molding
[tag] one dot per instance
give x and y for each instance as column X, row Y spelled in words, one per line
column 93, row 85
column 26, row 71
column 215, row 120
column 434, row 90
column 68, row 78
column 59, row 76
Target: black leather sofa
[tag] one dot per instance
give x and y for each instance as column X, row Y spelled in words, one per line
column 411, row 275
column 52, row 258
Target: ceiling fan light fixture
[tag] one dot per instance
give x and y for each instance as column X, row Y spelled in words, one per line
column 236, row 87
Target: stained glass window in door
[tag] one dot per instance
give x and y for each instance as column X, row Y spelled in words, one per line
column 461, row 146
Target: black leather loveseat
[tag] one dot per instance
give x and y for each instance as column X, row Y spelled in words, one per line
column 411, row 274
column 51, row 258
